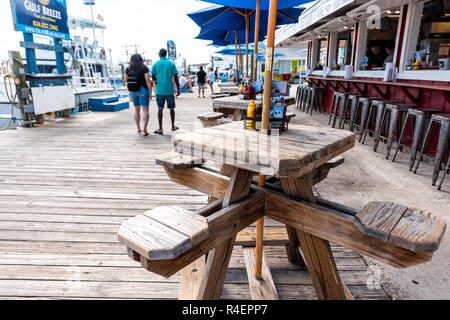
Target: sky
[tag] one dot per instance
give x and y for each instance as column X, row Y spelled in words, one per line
column 147, row 23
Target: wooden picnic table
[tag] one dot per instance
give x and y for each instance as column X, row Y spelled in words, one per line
column 169, row 239
column 236, row 107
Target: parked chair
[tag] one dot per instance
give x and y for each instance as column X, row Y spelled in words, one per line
column 393, row 118
column 443, row 120
column 337, row 107
column 421, row 118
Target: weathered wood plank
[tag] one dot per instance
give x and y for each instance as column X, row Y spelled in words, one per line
column 183, row 221
column 175, row 160
column 418, row 231
column 378, row 218
column 260, row 289
column 152, row 239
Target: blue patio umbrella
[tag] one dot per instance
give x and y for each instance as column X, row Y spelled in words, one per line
column 251, row 4
column 226, row 36
column 236, row 20
column 228, row 18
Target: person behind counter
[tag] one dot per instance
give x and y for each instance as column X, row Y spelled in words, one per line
column 376, row 56
column 390, row 47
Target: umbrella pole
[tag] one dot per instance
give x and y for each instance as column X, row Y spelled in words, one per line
column 265, row 120
column 269, row 65
column 255, row 63
column 236, row 52
column 246, row 42
column 262, row 179
column 240, row 59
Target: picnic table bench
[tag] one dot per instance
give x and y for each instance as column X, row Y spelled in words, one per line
column 166, row 240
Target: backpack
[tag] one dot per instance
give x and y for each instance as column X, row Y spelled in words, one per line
column 133, row 84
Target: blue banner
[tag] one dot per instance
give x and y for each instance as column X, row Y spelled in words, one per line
column 44, row 17
column 172, row 50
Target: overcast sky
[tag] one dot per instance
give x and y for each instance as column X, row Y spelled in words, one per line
column 148, row 23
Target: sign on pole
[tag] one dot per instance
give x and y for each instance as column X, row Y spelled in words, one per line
column 172, row 50
column 44, row 17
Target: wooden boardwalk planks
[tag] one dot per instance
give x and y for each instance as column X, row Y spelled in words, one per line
column 66, row 187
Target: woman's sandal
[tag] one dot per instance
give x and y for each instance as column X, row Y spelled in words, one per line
column 160, row 132
column 175, row 128
column 146, row 133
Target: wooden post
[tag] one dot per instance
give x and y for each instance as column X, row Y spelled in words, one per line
column 236, row 52
column 246, row 41
column 259, row 237
column 269, row 65
column 255, row 51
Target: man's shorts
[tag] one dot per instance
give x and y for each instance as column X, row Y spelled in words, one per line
column 161, row 100
column 201, row 84
column 141, row 98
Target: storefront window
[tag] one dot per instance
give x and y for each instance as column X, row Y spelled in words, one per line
column 433, row 43
column 380, row 44
column 344, row 49
column 322, row 61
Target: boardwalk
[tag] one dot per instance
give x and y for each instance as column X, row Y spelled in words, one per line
column 66, row 187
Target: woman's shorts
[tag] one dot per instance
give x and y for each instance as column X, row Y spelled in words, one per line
column 201, row 84
column 141, row 98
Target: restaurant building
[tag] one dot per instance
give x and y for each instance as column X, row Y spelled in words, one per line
column 364, row 36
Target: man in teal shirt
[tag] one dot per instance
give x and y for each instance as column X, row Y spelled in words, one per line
column 164, row 72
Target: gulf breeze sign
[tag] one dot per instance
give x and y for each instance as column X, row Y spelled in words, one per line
column 44, row 17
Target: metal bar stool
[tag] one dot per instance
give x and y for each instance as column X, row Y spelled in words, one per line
column 305, row 98
column 337, row 107
column 362, row 108
column 443, row 120
column 421, row 118
column 315, row 100
column 447, row 169
column 394, row 116
column 349, row 111
column 298, row 95
column 301, row 91
column 376, row 110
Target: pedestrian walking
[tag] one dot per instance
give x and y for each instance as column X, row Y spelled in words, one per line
column 201, row 81
column 137, row 77
column 164, row 73
column 211, row 79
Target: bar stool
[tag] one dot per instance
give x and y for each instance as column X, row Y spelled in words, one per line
column 300, row 92
column 349, row 113
column 304, row 98
column 337, row 107
column 447, row 169
column 376, row 109
column 362, row 107
column 421, row 118
column 443, row 120
column 392, row 114
column 315, row 100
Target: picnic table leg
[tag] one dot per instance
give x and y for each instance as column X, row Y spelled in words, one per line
column 316, row 251
column 237, row 116
column 219, row 258
column 192, row 275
